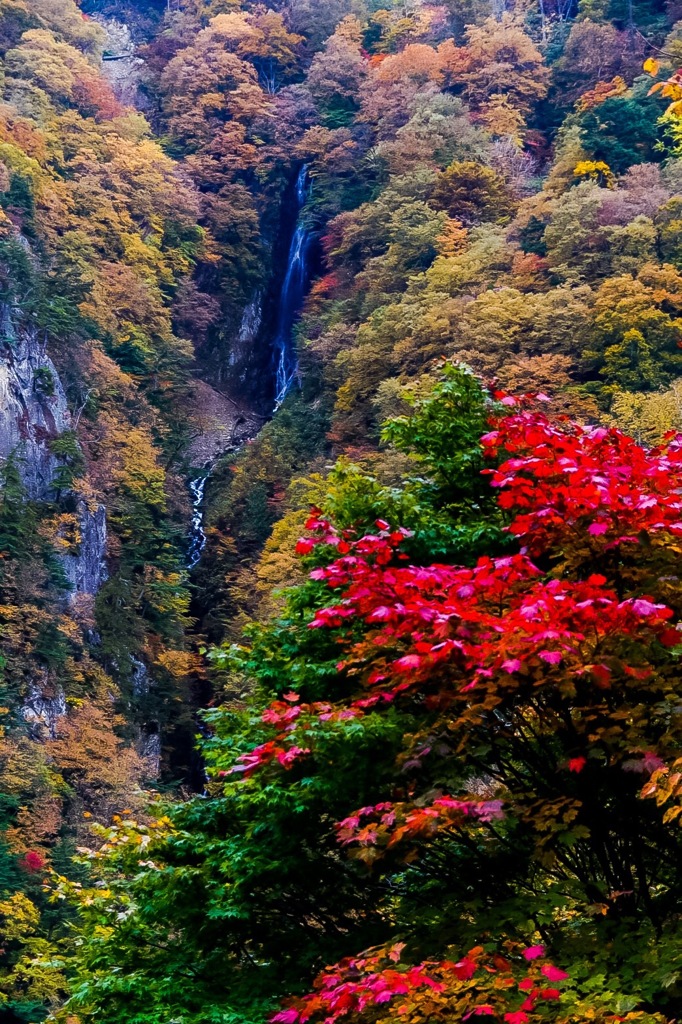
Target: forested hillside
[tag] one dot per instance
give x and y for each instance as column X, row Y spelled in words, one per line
column 340, row 609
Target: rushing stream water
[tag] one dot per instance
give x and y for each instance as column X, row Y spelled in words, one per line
column 197, row 537
column 285, row 365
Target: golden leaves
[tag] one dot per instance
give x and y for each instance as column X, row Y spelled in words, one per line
column 669, row 88
column 178, row 663
column 595, row 170
column 665, row 785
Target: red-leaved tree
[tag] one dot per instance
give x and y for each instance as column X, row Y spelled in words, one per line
column 541, row 692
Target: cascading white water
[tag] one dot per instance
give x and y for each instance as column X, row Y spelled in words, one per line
column 285, row 367
column 197, row 541
column 292, row 295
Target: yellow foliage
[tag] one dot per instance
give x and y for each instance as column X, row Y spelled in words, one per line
column 178, row 663
column 498, row 57
column 595, row 170
column 453, row 239
column 669, row 88
column 502, row 119
column 19, row 917
column 648, row 416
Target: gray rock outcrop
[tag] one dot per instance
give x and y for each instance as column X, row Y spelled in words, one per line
column 43, row 711
column 33, row 406
column 33, row 413
column 121, row 67
column 86, row 570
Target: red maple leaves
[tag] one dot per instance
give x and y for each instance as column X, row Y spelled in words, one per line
column 462, row 644
column 386, row 825
column 443, row 631
column 33, row 862
column 496, row 622
column 481, row 984
column 563, row 477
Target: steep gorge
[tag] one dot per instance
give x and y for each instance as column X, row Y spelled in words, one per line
column 60, row 442
column 225, row 260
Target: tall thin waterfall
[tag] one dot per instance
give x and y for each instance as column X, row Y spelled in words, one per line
column 292, row 295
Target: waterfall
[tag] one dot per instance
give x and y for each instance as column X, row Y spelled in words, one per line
column 197, row 538
column 292, row 295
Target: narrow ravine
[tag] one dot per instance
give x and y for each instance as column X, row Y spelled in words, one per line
column 124, row 76
column 295, row 284
column 292, row 296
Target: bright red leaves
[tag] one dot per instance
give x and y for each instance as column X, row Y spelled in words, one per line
column 559, row 477
column 33, row 862
column 498, row 623
column 460, row 643
column 444, row 630
column 387, row 825
column 480, row 984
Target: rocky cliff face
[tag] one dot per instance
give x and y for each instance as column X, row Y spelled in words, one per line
column 33, row 413
column 121, row 67
column 86, row 571
column 252, row 320
column 33, row 406
column 42, row 710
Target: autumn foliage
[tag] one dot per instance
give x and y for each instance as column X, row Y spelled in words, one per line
column 364, row 984
column 440, row 767
column 460, row 756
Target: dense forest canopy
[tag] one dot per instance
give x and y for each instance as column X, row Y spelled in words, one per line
column 340, row 609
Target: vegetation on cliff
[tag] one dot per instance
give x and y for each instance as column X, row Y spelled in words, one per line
column 442, row 738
